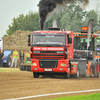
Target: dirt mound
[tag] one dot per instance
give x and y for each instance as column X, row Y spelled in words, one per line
column 18, row 40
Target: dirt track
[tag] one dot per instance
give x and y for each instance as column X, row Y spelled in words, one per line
column 21, row 84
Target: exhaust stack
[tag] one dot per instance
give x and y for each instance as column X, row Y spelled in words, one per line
column 54, row 26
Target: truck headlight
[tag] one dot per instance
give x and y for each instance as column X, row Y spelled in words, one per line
column 62, row 64
column 34, row 64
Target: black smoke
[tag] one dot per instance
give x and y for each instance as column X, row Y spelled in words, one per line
column 47, row 6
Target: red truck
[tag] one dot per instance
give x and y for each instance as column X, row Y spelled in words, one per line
column 52, row 52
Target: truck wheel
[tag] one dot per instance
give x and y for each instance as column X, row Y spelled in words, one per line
column 21, row 68
column 35, row 75
column 90, row 71
column 94, row 64
column 8, row 62
column 95, row 70
column 27, row 68
column 24, row 68
column 98, row 69
column 78, row 72
column 66, row 76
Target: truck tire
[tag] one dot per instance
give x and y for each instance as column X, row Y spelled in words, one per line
column 98, row 68
column 95, row 69
column 78, row 72
column 24, row 68
column 21, row 68
column 90, row 71
column 27, row 68
column 8, row 64
column 35, row 75
column 93, row 65
column 66, row 76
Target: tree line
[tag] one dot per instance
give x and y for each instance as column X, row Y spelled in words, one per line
column 71, row 18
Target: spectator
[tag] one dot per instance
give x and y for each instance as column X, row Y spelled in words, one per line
column 21, row 57
column 27, row 54
column 15, row 57
column 1, row 58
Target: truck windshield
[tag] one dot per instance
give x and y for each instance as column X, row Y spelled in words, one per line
column 81, row 43
column 49, row 39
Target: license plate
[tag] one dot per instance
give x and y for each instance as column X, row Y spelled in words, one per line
column 47, row 69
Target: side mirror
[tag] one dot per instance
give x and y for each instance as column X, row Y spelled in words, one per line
column 70, row 40
column 29, row 39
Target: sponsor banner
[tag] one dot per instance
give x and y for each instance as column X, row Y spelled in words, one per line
column 48, row 48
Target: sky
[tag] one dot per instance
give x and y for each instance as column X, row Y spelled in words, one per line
column 12, row 8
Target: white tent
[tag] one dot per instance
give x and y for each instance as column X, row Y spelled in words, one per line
column 1, row 43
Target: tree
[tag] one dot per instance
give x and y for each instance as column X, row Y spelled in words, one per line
column 91, row 15
column 72, row 19
column 29, row 22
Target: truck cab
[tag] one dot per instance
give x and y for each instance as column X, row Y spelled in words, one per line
column 51, row 52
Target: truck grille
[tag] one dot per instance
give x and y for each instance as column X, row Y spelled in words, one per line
column 48, row 63
column 48, row 55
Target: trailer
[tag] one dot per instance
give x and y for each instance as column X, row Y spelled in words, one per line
column 26, row 66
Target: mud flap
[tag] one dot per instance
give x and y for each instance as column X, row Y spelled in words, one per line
column 82, row 67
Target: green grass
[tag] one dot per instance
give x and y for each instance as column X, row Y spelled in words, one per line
column 9, row 69
column 82, row 97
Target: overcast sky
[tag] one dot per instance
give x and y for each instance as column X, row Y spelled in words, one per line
column 12, row 8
